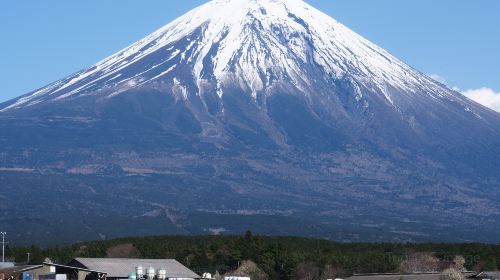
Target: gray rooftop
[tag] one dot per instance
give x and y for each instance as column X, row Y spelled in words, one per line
column 396, row 277
column 120, row 268
column 6, row 265
column 490, row 274
column 416, row 276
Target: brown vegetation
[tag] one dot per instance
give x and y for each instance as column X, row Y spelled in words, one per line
column 248, row 269
column 127, row 250
column 451, row 274
column 420, row 262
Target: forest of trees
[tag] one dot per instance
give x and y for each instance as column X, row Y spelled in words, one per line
column 276, row 257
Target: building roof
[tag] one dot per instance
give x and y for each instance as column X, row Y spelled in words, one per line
column 396, row 277
column 16, row 270
column 6, row 265
column 20, row 269
column 391, row 276
column 489, row 274
column 72, row 267
column 120, row 268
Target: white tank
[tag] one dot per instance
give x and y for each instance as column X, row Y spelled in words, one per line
column 151, row 273
column 139, row 272
column 162, row 274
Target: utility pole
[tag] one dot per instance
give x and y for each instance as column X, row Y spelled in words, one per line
column 3, row 245
column 28, row 257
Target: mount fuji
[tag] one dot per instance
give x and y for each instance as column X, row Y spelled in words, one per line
column 250, row 114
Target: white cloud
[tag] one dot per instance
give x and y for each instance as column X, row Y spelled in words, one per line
column 485, row 96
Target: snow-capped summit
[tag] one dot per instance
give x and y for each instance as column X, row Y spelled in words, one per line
column 257, row 44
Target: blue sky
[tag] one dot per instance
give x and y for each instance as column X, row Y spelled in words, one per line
column 458, row 41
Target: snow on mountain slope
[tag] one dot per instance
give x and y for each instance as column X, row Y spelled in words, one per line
column 256, row 44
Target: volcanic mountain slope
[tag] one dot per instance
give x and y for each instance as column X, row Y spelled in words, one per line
column 268, row 112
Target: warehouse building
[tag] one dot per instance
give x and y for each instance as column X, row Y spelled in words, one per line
column 50, row 271
column 151, row 269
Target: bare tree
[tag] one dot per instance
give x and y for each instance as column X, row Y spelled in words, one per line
column 451, row 274
column 248, row 269
column 459, row 263
column 420, row 262
column 307, row 271
column 217, row 276
column 331, row 272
